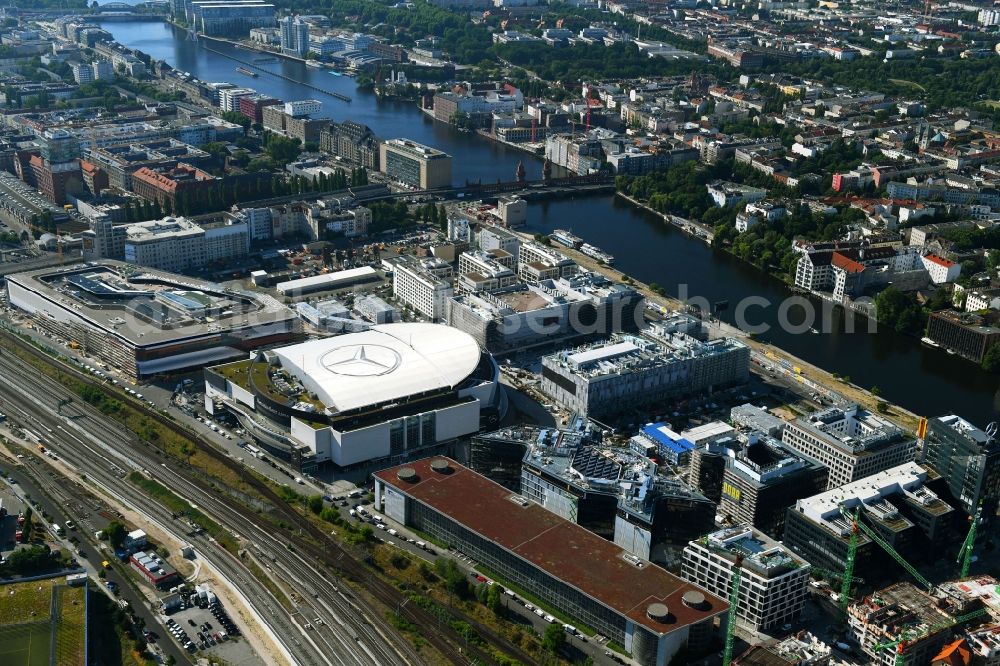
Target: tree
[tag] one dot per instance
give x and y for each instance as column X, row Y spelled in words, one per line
column 554, row 638
column 282, row 149
column 493, row 597
column 116, row 533
column 237, row 118
column 991, row 359
column 899, row 311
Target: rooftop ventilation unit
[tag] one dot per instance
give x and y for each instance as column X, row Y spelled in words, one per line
column 658, row 612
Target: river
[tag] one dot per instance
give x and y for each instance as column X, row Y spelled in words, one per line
column 926, row 381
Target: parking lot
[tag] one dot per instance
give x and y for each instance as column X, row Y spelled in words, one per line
column 206, row 626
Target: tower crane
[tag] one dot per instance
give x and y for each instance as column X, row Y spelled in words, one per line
column 913, row 634
column 734, row 600
column 965, row 552
column 885, row 545
column 839, row 575
column 852, row 552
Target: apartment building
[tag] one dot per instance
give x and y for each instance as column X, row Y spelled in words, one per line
column 773, row 580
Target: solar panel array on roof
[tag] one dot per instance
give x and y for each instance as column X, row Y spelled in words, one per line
column 591, row 464
column 93, row 284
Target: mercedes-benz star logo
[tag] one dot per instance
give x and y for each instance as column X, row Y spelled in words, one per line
column 361, row 360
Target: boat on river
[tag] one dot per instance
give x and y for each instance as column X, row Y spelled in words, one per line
column 595, row 252
column 247, row 72
column 566, row 238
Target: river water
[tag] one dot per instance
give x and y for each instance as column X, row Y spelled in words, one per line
column 926, row 381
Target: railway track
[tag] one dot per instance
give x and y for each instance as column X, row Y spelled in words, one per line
column 108, row 469
column 307, row 563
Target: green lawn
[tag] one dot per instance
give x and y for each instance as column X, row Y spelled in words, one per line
column 25, row 644
column 25, row 602
column 26, row 624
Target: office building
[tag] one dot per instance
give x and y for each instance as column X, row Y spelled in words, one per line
column 658, row 440
column 252, row 106
column 897, row 503
column 415, row 165
column 294, row 35
column 420, row 286
column 122, row 160
column 642, row 607
column 504, row 315
column 773, row 581
column 968, row 334
column 146, row 322
column 852, row 442
column 375, row 310
column 614, row 492
column 229, row 98
column 56, row 169
column 382, row 394
column 763, row 479
column 177, row 244
column 536, row 262
column 303, row 107
column 968, row 461
column 233, row 18
column 632, row 371
column 751, row 418
column 496, row 238
column 172, row 187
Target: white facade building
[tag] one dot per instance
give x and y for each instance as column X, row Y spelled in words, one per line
column 418, row 286
column 773, row 580
column 303, row 107
column 853, row 443
column 940, row 269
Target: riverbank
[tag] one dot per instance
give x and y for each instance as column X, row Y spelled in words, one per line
column 763, row 353
column 643, row 245
column 696, row 229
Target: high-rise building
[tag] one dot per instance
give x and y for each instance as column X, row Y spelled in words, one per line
column 228, row 17
column 415, row 165
column 294, row 36
column 852, row 442
column 763, row 479
column 422, row 288
column 967, row 458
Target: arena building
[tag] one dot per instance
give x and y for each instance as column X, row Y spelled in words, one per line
column 146, row 322
column 375, row 395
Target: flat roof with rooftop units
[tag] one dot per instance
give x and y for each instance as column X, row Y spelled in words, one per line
column 147, row 321
column 328, row 281
column 648, row 610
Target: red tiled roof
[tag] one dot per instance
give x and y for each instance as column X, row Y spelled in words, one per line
column 843, row 261
column 940, row 261
column 563, row 549
column 953, row 654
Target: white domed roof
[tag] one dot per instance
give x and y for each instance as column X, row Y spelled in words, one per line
column 384, row 363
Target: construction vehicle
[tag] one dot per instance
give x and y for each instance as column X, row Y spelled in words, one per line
column 909, row 636
column 965, row 552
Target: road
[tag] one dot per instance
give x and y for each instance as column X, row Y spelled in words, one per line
column 107, row 453
column 52, row 495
